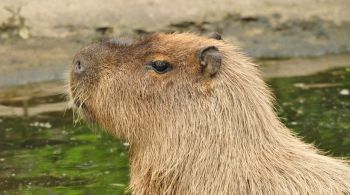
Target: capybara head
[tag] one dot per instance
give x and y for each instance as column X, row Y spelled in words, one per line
column 158, row 82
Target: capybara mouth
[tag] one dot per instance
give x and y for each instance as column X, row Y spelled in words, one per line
column 83, row 111
column 79, row 104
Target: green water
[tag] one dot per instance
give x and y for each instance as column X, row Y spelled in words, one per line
column 61, row 159
column 317, row 108
column 47, row 154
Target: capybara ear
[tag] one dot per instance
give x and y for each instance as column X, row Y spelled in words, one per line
column 215, row 35
column 210, row 60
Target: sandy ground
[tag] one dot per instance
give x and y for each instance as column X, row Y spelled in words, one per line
column 61, row 18
column 38, row 38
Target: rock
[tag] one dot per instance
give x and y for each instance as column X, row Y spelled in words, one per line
column 344, row 92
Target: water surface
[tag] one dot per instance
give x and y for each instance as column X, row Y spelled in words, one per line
column 47, row 154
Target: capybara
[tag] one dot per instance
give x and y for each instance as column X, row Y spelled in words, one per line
column 198, row 117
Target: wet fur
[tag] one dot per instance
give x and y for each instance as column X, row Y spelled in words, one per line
column 193, row 134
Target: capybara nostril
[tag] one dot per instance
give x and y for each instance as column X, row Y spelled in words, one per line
column 78, row 67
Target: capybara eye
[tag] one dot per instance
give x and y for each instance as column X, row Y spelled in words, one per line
column 160, row 66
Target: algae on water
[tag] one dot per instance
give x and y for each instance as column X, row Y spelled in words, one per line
column 47, row 154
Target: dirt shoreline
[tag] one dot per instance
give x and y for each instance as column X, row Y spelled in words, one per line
column 269, row 68
column 31, row 99
column 38, row 39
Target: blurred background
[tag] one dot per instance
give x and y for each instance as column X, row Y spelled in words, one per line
column 302, row 48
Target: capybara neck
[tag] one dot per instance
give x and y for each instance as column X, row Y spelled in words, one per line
column 233, row 133
column 199, row 119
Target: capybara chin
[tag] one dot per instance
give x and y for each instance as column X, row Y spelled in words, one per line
column 199, row 119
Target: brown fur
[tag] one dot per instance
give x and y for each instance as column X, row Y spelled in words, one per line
column 194, row 134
